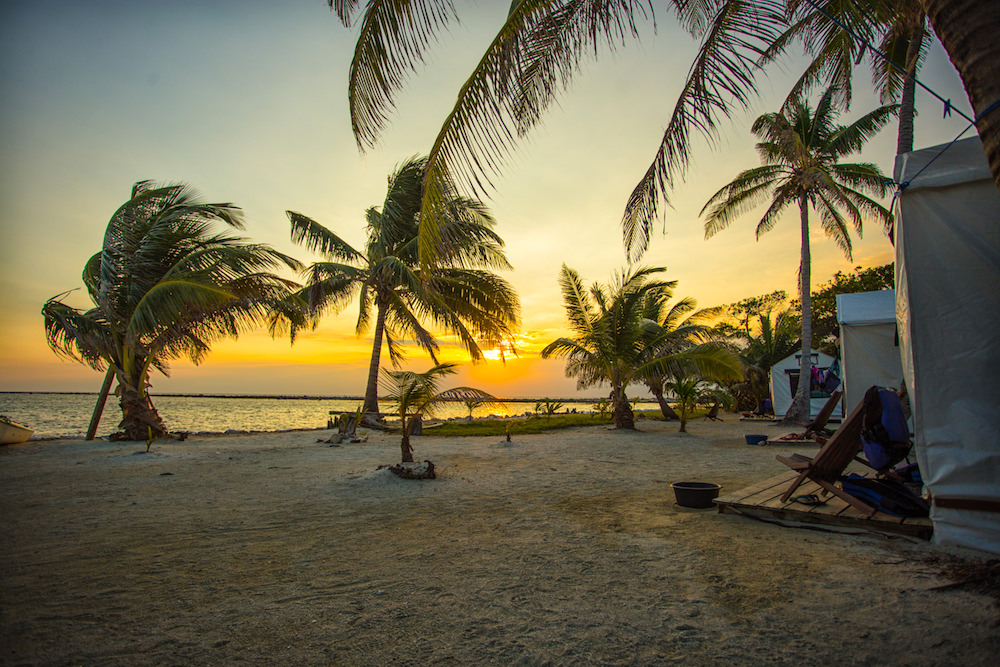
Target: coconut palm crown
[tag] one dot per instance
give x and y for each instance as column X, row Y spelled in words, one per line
column 800, row 152
column 396, row 295
column 614, row 341
column 166, row 285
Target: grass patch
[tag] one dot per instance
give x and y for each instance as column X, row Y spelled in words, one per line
column 533, row 424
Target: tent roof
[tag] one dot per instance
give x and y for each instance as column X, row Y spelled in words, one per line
column 963, row 161
column 864, row 308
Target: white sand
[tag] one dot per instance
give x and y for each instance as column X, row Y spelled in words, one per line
column 563, row 548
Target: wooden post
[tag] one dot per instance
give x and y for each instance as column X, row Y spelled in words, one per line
column 102, row 398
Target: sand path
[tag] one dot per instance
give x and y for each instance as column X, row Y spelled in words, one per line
column 564, row 548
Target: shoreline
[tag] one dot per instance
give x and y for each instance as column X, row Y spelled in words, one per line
column 308, row 397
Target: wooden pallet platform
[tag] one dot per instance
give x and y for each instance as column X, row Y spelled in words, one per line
column 763, row 501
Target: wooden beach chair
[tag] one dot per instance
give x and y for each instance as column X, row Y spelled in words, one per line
column 713, row 413
column 814, row 427
column 826, row 468
column 824, row 415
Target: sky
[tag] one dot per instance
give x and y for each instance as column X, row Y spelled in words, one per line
column 246, row 100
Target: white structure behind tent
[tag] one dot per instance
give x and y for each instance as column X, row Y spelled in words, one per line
column 869, row 347
column 785, row 379
column 948, row 310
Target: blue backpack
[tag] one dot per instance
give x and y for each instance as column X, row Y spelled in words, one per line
column 886, row 495
column 885, row 437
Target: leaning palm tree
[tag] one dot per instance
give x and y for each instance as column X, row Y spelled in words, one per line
column 800, row 151
column 417, row 395
column 396, row 295
column 614, row 343
column 166, row 285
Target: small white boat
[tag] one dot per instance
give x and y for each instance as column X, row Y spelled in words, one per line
column 12, row 433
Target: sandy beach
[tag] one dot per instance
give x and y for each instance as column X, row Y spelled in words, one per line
column 564, row 548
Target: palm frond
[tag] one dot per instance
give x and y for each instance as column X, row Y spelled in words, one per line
column 317, row 238
column 391, row 44
column 720, row 80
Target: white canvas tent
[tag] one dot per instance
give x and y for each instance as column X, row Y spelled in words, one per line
column 869, row 351
column 784, row 380
column 948, row 311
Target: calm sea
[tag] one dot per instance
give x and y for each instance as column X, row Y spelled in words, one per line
column 56, row 415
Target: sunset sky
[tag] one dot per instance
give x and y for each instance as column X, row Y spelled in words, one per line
column 246, row 101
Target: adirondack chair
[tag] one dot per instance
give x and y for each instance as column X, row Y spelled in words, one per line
column 829, row 464
column 823, row 417
column 814, row 427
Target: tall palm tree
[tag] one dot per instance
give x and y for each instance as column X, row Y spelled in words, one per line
column 166, row 285
column 615, row 343
column 416, row 395
column 800, row 151
column 531, row 60
column 542, row 43
column 395, row 294
column 896, row 28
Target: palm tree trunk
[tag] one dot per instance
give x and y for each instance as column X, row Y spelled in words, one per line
column 621, row 410
column 102, row 398
column 371, row 391
column 907, row 102
column 968, row 31
column 799, row 411
column 140, row 420
column 405, row 444
column 665, row 409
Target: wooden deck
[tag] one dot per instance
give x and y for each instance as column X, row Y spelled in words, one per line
column 763, row 501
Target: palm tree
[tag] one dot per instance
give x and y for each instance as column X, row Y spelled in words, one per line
column 800, row 149
column 684, row 327
column 968, row 31
column 166, row 285
column 690, row 390
column 416, row 395
column 897, row 28
column 471, row 404
column 459, row 294
column 541, row 46
column 775, row 338
column 615, row 343
column 530, row 61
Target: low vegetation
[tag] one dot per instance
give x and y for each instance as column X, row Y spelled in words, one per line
column 532, row 424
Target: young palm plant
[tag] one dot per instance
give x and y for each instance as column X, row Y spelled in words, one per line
column 416, row 395
column 615, row 343
column 166, row 285
column 800, row 151
column 396, row 296
column 689, row 391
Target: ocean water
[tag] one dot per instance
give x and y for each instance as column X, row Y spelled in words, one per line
column 58, row 415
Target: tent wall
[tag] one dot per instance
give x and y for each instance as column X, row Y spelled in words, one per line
column 869, row 353
column 781, row 393
column 948, row 309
